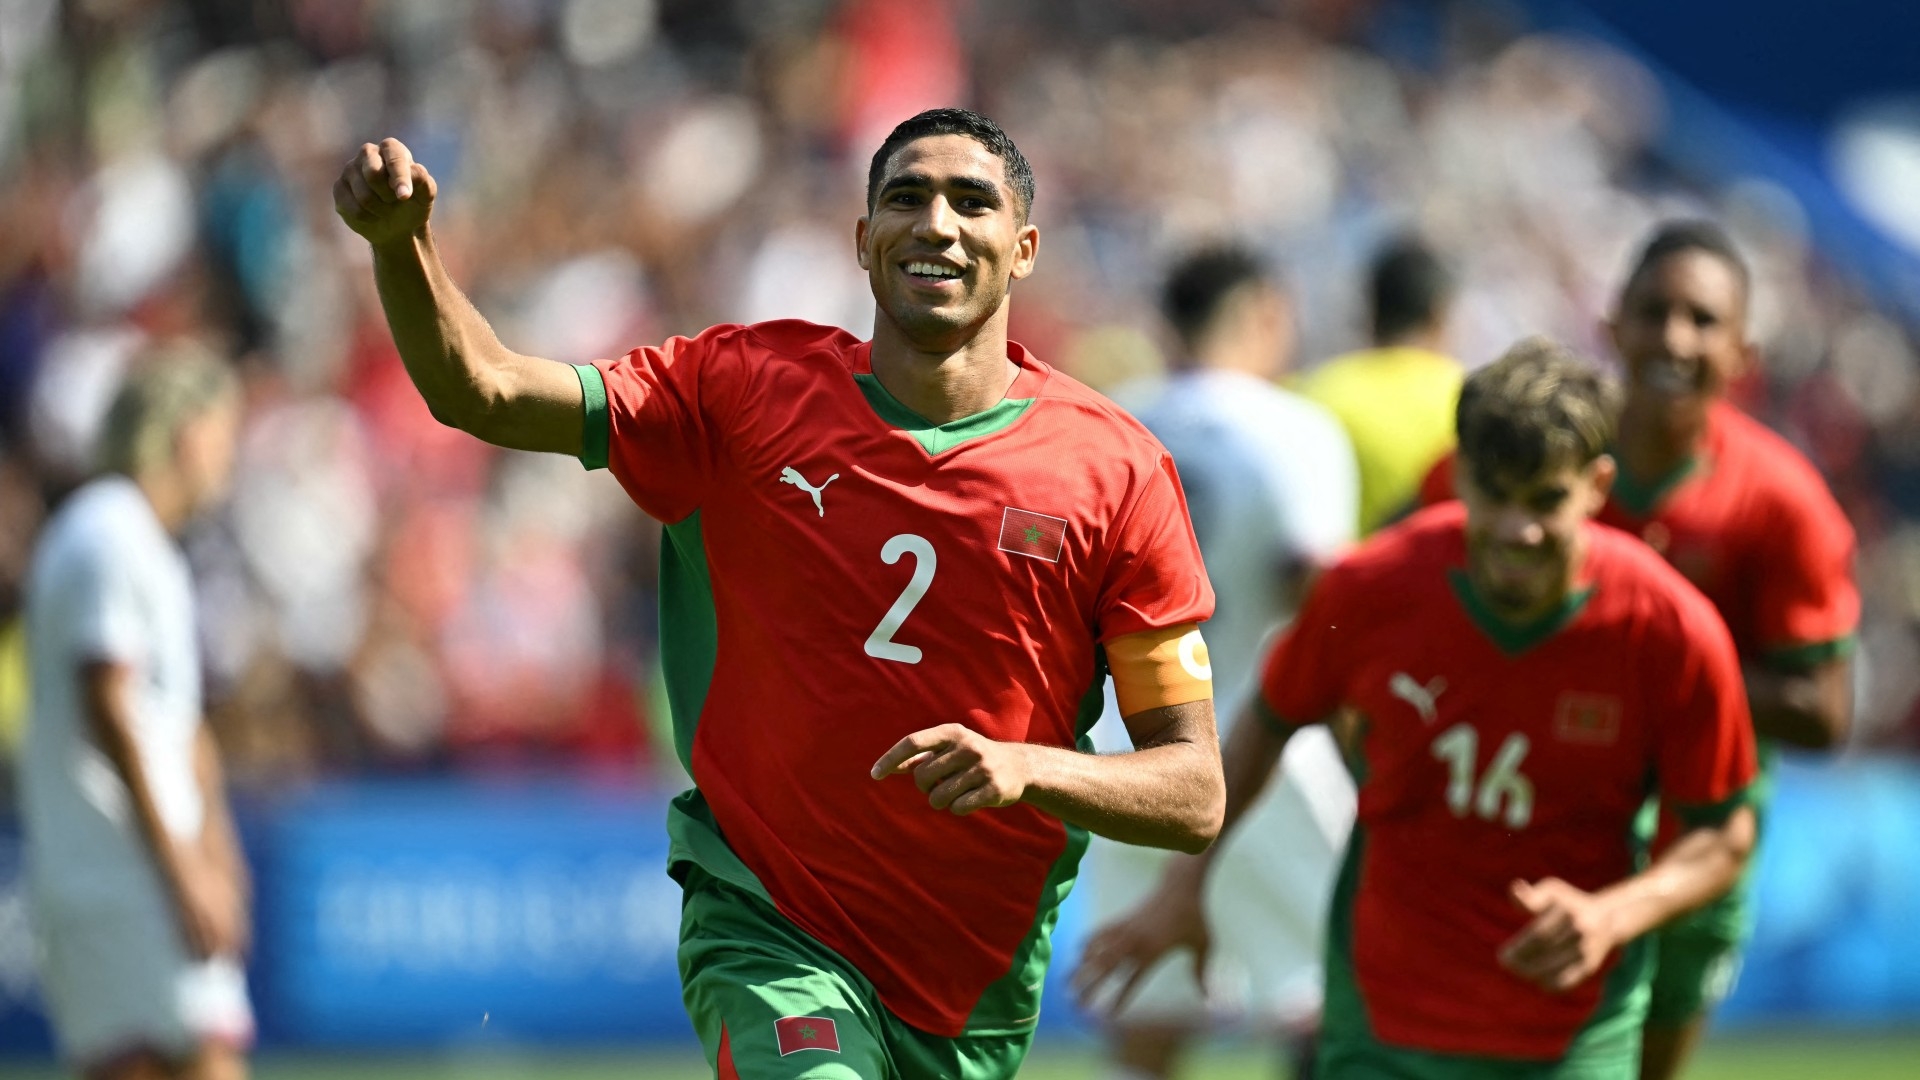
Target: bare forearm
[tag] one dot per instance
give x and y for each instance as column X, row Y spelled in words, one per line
column 1699, row 868
column 1812, row 710
column 218, row 836
column 1166, row 796
column 450, row 351
column 109, row 712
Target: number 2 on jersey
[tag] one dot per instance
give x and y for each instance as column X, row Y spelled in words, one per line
column 880, row 643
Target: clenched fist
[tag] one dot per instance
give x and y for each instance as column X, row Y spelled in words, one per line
column 383, row 194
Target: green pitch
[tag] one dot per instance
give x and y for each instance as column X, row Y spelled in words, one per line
column 1874, row 1056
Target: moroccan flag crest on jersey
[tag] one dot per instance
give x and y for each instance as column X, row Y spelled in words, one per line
column 798, row 1033
column 1023, row 532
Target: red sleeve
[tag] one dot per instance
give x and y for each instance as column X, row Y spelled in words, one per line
column 663, row 414
column 1155, row 577
column 1805, row 602
column 1437, row 487
column 1302, row 679
column 1704, row 755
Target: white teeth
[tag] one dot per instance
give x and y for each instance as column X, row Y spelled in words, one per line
column 922, row 269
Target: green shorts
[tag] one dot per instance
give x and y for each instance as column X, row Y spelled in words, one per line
column 1367, row 1059
column 771, row 1003
column 1693, row 973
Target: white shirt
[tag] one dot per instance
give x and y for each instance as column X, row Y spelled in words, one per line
column 1270, row 481
column 107, row 583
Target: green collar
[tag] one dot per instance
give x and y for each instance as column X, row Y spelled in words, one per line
column 939, row 438
column 1515, row 638
column 1641, row 497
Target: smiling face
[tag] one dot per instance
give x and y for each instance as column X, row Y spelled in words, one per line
column 1681, row 331
column 1524, row 534
column 944, row 241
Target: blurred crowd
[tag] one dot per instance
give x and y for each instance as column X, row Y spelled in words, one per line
column 383, row 593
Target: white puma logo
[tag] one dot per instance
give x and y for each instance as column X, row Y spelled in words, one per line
column 1420, row 697
column 789, row 476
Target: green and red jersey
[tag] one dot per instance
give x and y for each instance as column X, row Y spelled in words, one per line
column 1750, row 522
column 839, row 572
column 1490, row 753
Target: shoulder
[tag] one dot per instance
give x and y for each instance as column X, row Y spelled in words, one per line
column 1645, row 587
column 773, row 341
column 1777, row 476
column 1096, row 420
column 96, row 529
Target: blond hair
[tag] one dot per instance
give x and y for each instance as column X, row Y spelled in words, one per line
column 167, row 388
column 1540, row 406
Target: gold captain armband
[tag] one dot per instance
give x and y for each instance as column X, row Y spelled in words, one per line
column 1157, row 668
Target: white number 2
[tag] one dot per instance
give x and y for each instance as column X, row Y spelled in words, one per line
column 880, row 643
column 1459, row 747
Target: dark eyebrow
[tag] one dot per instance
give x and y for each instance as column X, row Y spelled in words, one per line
column 974, row 184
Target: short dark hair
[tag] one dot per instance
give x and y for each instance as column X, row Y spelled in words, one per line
column 1539, row 406
column 1200, row 282
column 1410, row 287
column 955, row 122
column 1690, row 234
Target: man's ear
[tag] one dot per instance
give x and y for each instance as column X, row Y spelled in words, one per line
column 1603, row 471
column 1026, row 251
column 860, row 241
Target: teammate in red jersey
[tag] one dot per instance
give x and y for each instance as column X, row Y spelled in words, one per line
column 1526, row 679
column 1748, row 520
column 918, row 555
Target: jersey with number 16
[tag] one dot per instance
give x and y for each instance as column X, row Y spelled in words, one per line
column 839, row 572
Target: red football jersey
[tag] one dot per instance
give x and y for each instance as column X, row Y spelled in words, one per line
column 1490, row 753
column 839, row 572
column 1751, row 523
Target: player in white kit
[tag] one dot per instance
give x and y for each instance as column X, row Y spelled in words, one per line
column 138, row 887
column 1273, row 491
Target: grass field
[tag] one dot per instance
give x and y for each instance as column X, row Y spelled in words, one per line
column 1875, row 1056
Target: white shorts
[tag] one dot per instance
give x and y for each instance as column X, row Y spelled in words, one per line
column 117, row 978
column 1266, row 899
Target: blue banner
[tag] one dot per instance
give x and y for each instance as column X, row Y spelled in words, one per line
column 436, row 913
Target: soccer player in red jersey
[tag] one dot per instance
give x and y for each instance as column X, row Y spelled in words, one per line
column 1746, row 518
column 1749, row 521
column 912, row 557
column 1526, row 679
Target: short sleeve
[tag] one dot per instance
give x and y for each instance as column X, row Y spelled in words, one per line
column 102, row 601
column 1301, row 679
column 657, row 417
column 1705, row 755
column 1806, row 604
column 1437, row 486
column 1155, row 576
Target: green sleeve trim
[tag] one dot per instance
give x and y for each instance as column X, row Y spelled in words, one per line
column 1713, row 815
column 1810, row 655
column 1271, row 720
column 595, row 428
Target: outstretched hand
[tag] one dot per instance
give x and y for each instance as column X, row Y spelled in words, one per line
column 1123, row 952
column 958, row 768
column 1567, row 941
column 383, row 194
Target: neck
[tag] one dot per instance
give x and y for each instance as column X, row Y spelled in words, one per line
column 945, row 383
column 1246, row 357
column 1649, row 446
column 1430, row 338
column 168, row 498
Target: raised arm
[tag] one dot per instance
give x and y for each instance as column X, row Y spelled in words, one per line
column 469, row 379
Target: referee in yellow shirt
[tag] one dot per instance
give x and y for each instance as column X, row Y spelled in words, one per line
column 1396, row 399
